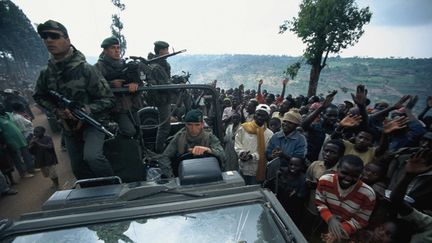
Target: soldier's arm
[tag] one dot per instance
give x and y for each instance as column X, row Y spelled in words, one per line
column 41, row 95
column 102, row 98
column 216, row 148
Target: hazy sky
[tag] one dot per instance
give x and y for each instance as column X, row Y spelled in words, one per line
column 400, row 28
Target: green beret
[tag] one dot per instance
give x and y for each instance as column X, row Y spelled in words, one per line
column 109, row 42
column 194, row 116
column 52, row 25
column 161, row 44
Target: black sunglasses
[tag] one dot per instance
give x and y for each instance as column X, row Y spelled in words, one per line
column 51, row 35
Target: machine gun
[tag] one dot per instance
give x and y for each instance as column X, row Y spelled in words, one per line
column 181, row 79
column 137, row 68
column 145, row 61
column 78, row 113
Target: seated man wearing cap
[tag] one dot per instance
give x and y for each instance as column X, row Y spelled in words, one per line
column 69, row 74
column 250, row 143
column 289, row 142
column 112, row 68
column 161, row 74
column 191, row 139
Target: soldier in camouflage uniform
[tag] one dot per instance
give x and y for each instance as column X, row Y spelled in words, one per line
column 161, row 74
column 69, row 74
column 113, row 68
column 191, row 139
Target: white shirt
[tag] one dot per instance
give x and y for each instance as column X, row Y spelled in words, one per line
column 244, row 142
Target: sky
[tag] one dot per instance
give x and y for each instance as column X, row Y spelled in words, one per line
column 398, row 28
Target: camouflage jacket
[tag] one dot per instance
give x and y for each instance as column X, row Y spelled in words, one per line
column 160, row 74
column 172, row 152
column 111, row 70
column 76, row 80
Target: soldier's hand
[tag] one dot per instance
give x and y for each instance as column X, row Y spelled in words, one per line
column 65, row 114
column 133, row 87
column 117, row 83
column 260, row 82
column 199, row 150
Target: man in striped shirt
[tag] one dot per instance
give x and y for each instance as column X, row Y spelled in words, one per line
column 345, row 203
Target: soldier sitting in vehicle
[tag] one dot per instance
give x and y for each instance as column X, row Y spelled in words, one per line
column 192, row 139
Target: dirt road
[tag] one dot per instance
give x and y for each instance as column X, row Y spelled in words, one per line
column 33, row 192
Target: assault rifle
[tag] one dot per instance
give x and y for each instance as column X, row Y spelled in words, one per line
column 145, row 61
column 78, row 113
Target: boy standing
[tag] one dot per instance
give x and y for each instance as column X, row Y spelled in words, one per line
column 42, row 147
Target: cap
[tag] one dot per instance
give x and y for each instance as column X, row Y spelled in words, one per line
column 161, row 44
column 109, row 42
column 8, row 91
column 194, row 116
column 292, row 116
column 263, row 107
column 52, row 25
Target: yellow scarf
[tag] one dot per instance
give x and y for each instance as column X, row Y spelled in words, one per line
column 253, row 128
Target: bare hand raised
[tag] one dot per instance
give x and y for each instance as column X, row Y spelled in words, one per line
column 396, row 124
column 401, row 102
column 361, row 95
column 350, row 121
column 329, row 98
column 411, row 102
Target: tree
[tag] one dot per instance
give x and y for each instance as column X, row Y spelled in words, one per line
column 326, row 26
column 117, row 26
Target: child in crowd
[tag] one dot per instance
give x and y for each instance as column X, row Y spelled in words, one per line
column 42, row 147
column 291, row 188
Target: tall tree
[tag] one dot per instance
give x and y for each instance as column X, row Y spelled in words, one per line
column 326, row 26
column 117, row 26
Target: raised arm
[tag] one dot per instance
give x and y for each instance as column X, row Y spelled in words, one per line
column 348, row 121
column 395, row 106
column 389, row 127
column 311, row 117
column 360, row 100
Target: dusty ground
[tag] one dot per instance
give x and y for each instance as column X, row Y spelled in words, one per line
column 33, row 192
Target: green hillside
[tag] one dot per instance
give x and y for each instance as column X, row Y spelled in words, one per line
column 386, row 79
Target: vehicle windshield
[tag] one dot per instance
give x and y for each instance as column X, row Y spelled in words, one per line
column 244, row 223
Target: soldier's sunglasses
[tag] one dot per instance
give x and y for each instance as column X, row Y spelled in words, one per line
column 51, row 35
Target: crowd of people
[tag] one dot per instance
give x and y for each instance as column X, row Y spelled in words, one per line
column 22, row 146
column 354, row 171
column 349, row 172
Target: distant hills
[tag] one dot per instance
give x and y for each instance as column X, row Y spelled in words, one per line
column 386, row 79
column 22, row 56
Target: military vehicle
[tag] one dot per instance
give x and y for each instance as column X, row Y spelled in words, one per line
column 203, row 204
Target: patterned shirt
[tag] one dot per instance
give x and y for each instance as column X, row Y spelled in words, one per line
column 353, row 206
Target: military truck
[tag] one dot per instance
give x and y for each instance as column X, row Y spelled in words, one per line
column 203, row 204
